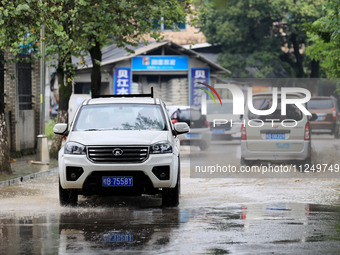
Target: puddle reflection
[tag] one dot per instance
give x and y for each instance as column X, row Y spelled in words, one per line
column 100, row 230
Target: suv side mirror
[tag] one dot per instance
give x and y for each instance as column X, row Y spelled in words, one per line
column 313, row 117
column 60, row 128
column 181, row 128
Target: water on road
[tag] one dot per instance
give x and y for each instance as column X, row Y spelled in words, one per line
column 215, row 216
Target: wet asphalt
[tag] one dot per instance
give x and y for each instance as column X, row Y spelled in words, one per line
column 215, row 216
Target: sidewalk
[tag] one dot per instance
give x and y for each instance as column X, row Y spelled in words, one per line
column 23, row 169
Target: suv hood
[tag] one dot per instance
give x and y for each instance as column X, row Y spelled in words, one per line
column 118, row 137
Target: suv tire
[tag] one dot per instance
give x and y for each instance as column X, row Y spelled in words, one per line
column 170, row 196
column 245, row 162
column 203, row 146
column 307, row 161
column 67, row 197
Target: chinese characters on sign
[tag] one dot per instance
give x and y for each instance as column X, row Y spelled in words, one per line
column 122, row 81
column 164, row 63
column 198, row 76
column 160, row 62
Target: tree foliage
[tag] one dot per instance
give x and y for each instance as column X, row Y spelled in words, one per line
column 126, row 22
column 324, row 34
column 79, row 27
column 260, row 34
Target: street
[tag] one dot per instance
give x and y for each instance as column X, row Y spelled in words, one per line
column 215, row 215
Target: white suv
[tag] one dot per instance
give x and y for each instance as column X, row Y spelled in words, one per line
column 275, row 137
column 120, row 146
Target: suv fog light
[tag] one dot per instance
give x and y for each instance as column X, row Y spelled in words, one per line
column 73, row 173
column 162, row 172
column 73, row 176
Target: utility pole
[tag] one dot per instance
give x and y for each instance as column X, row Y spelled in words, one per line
column 43, row 156
column 42, row 80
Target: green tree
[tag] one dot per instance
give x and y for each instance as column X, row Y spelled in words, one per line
column 127, row 22
column 324, row 34
column 20, row 26
column 261, row 34
column 78, row 27
column 11, row 15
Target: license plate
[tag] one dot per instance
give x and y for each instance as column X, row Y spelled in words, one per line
column 275, row 136
column 218, row 131
column 282, row 145
column 320, row 118
column 118, row 237
column 117, row 181
column 193, row 135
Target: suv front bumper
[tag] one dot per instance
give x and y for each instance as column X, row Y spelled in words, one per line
column 154, row 160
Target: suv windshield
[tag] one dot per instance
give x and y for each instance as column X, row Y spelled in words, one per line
column 265, row 103
column 321, row 104
column 120, row 117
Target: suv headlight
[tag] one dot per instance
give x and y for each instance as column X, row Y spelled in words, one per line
column 161, row 147
column 74, row 148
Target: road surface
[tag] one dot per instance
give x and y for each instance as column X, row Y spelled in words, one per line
column 215, row 216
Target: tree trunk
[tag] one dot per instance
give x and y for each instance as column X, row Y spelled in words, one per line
column 58, row 139
column 299, row 59
column 5, row 161
column 96, row 57
column 65, row 91
column 315, row 67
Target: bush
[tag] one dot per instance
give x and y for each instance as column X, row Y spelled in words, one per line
column 49, row 129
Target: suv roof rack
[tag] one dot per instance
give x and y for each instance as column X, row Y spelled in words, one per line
column 127, row 95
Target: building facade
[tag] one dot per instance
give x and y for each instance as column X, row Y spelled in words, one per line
column 22, row 100
column 174, row 72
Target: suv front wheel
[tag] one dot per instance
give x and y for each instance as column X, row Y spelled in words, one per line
column 67, row 197
column 170, row 196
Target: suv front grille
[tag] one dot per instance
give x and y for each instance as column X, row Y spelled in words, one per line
column 118, row 154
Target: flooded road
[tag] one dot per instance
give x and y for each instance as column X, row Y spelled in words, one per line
column 215, row 216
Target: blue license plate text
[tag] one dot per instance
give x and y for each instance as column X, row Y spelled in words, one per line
column 218, row 131
column 189, row 135
column 117, row 181
column 275, row 136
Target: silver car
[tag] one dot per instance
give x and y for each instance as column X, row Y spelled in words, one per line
column 200, row 134
column 275, row 137
column 223, row 130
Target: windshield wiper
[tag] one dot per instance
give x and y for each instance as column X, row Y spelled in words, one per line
column 93, row 129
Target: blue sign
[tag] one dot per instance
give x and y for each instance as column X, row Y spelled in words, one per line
column 160, row 63
column 122, row 81
column 198, row 76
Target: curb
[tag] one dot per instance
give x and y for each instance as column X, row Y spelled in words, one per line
column 28, row 177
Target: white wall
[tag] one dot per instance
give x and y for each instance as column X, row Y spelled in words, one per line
column 25, row 137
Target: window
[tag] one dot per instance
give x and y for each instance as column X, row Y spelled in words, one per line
column 120, row 117
column 266, row 103
column 160, row 25
column 226, row 108
column 82, row 88
column 24, row 74
column 320, row 104
column 85, row 88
